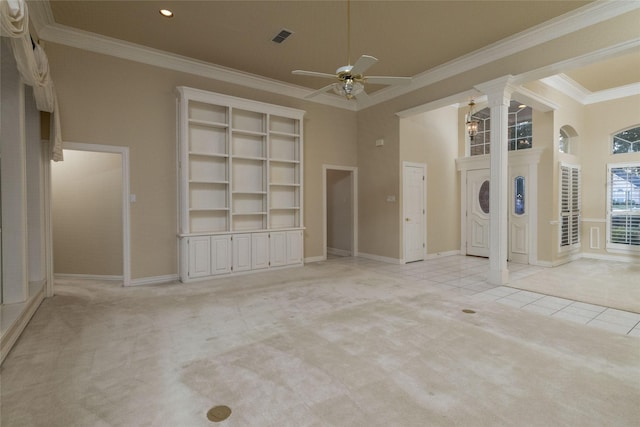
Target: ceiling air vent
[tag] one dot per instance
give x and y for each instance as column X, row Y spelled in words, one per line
column 282, row 36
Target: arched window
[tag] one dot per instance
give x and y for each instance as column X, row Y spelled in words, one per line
column 520, row 129
column 626, row 141
column 567, row 140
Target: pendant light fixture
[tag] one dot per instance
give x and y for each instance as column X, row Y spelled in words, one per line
column 471, row 122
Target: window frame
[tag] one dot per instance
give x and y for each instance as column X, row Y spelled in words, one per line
column 618, row 247
column 631, row 143
column 564, row 142
column 514, row 127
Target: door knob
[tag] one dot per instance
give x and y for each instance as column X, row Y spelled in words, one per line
column 406, row 219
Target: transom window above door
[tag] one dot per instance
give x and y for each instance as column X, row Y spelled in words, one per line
column 520, row 129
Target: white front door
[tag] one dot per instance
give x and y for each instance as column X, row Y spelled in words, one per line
column 414, row 209
column 478, row 212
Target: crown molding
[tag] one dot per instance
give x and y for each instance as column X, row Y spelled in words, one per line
column 614, row 93
column 564, row 84
column 593, row 13
column 92, row 42
column 567, row 86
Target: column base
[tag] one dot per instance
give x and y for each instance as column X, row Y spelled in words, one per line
column 498, row 277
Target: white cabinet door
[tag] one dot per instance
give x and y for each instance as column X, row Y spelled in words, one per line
column 294, row 247
column 220, row 254
column 278, row 248
column 241, row 252
column 259, row 251
column 199, row 256
column 285, row 248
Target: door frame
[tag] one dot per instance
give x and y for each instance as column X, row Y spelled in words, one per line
column 530, row 157
column 126, row 198
column 423, row 166
column 354, row 200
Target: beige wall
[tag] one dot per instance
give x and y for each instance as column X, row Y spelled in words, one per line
column 330, row 139
column 106, row 100
column 432, row 138
column 544, row 138
column 602, row 121
column 86, row 206
column 378, row 178
column 591, row 149
column 380, row 169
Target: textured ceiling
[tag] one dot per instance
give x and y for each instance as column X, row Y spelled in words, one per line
column 408, row 37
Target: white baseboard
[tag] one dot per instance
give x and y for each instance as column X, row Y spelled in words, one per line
column 338, row 252
column 154, row 280
column 542, row 264
column 587, row 255
column 609, row 257
column 23, row 315
column 64, row 276
column 314, row 259
column 442, row 254
column 380, row 258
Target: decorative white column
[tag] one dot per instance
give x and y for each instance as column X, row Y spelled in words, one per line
column 498, row 93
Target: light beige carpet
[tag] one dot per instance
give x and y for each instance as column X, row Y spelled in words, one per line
column 324, row 345
column 606, row 283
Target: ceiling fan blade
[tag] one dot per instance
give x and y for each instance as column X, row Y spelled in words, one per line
column 313, row 74
column 383, row 80
column 363, row 64
column 319, row 91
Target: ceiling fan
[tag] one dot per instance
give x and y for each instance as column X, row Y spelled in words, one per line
column 351, row 78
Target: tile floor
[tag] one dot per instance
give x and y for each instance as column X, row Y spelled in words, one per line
column 467, row 276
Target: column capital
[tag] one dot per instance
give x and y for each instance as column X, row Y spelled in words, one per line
column 498, row 91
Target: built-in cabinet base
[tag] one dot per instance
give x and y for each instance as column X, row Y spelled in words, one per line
column 225, row 254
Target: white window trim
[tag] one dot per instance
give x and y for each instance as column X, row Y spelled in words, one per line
column 617, row 247
column 616, row 133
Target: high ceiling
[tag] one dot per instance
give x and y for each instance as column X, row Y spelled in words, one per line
column 408, row 37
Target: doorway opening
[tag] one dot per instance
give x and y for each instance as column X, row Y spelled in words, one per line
column 340, row 209
column 90, row 211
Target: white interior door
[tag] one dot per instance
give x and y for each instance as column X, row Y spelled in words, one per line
column 478, row 212
column 414, row 209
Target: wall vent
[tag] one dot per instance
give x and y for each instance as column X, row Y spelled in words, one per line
column 282, row 36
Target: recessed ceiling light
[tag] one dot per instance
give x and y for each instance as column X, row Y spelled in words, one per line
column 166, row 13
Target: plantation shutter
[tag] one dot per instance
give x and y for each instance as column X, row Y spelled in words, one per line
column 564, row 205
column 570, row 205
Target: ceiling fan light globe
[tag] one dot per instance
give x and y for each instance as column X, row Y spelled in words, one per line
column 349, row 88
column 339, row 90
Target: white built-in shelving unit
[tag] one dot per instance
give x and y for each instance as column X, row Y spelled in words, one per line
column 240, row 184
